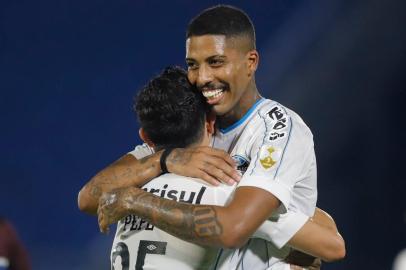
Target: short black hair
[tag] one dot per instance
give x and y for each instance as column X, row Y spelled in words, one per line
column 171, row 110
column 222, row 20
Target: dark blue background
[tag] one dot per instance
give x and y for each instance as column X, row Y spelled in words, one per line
column 69, row 70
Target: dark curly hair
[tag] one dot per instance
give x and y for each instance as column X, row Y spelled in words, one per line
column 170, row 110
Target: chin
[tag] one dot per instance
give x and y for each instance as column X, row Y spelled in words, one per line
column 219, row 110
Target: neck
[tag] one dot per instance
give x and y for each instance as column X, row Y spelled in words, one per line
column 247, row 100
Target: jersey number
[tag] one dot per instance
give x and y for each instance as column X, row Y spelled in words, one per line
column 144, row 248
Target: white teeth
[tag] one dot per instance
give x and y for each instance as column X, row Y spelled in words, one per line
column 212, row 93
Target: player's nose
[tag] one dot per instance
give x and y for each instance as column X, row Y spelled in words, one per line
column 204, row 76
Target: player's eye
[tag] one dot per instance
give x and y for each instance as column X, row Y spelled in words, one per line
column 216, row 62
column 191, row 65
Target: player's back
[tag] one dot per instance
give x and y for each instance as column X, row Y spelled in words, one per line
column 140, row 245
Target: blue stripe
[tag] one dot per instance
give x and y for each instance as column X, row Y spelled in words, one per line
column 263, row 142
column 246, row 115
column 218, row 258
column 267, row 253
column 286, row 146
column 245, row 252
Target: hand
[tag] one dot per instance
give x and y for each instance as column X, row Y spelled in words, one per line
column 113, row 206
column 300, row 260
column 211, row 165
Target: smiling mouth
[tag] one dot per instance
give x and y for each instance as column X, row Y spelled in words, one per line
column 212, row 94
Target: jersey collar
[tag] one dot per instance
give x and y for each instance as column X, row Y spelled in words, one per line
column 246, row 115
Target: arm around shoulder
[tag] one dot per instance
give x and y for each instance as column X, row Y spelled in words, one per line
column 125, row 172
column 319, row 237
column 129, row 171
column 221, row 226
column 244, row 215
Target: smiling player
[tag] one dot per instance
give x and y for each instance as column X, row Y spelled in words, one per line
column 271, row 141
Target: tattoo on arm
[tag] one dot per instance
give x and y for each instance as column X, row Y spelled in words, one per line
column 194, row 223
column 116, row 177
column 98, row 182
column 95, row 191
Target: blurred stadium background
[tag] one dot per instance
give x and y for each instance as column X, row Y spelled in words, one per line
column 69, row 70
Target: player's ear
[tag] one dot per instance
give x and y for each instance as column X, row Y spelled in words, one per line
column 252, row 61
column 210, row 121
column 144, row 136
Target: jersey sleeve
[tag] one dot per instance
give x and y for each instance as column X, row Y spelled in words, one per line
column 141, row 151
column 279, row 151
column 281, row 228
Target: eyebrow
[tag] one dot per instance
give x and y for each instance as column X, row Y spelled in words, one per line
column 209, row 58
column 216, row 57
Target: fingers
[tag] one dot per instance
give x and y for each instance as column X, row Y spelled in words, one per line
column 219, row 172
column 220, row 154
column 103, row 226
column 211, row 165
column 208, row 178
column 220, row 169
column 101, row 219
column 316, row 264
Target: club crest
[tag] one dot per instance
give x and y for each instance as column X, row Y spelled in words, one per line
column 242, row 163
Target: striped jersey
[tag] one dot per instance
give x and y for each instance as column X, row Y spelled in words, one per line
column 274, row 150
column 141, row 245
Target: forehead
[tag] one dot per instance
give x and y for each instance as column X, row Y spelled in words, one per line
column 206, row 46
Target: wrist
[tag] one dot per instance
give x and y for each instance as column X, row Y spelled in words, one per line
column 128, row 199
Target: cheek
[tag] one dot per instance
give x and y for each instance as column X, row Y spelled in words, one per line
column 234, row 77
column 228, row 73
column 191, row 77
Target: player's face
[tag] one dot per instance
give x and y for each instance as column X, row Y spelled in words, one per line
column 219, row 69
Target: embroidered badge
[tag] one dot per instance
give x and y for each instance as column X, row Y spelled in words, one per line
column 267, row 162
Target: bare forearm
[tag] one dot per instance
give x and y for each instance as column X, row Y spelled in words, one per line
column 206, row 163
column 125, row 172
column 319, row 237
column 194, row 223
column 229, row 226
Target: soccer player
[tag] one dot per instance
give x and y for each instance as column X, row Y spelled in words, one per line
column 173, row 114
column 268, row 140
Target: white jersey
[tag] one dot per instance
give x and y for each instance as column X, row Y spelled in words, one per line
column 140, row 245
column 275, row 147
